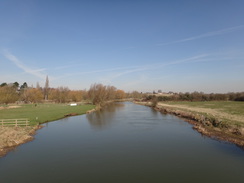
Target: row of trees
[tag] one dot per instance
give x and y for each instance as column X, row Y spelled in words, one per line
column 13, row 92
column 200, row 96
column 10, row 94
column 15, row 85
column 98, row 94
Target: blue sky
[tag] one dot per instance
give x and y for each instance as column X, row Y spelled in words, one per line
column 181, row 46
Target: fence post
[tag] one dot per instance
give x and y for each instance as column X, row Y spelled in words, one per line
column 16, row 123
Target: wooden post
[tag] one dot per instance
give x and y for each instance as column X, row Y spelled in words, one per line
column 16, row 122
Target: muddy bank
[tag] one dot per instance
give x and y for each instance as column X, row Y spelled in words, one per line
column 206, row 125
column 11, row 137
column 91, row 111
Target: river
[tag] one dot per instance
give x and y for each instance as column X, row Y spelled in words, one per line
column 123, row 143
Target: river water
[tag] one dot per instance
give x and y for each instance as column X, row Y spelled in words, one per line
column 123, row 143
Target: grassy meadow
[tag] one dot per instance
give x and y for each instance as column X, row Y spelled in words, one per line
column 231, row 107
column 229, row 111
column 42, row 113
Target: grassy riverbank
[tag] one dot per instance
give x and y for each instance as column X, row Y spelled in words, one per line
column 222, row 120
column 227, row 111
column 10, row 137
column 42, row 113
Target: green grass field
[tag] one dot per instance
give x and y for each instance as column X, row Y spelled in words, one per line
column 42, row 113
column 230, row 107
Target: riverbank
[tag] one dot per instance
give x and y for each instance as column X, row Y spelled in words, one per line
column 11, row 137
column 210, row 122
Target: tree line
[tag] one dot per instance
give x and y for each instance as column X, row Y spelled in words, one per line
column 199, row 96
column 98, row 94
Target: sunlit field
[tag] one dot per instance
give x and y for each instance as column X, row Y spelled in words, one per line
column 41, row 113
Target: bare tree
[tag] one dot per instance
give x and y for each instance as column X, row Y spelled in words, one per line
column 60, row 94
column 31, row 95
column 97, row 94
column 100, row 94
column 110, row 92
column 76, row 95
column 120, row 94
column 8, row 94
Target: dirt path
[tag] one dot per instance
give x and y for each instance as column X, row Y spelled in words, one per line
column 9, row 107
column 213, row 112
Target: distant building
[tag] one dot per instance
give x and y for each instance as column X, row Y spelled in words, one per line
column 171, row 93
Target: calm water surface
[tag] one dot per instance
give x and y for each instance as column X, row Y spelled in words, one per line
column 123, row 143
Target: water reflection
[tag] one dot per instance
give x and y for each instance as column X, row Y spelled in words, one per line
column 104, row 118
column 167, row 151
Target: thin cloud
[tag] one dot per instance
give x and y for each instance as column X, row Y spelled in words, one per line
column 35, row 72
column 132, row 83
column 121, row 71
column 208, row 34
column 92, row 72
column 198, row 58
column 68, row 66
column 103, row 70
column 130, row 71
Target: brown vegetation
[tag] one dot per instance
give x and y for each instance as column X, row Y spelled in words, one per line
column 31, row 95
column 10, row 137
column 9, row 107
column 213, row 112
column 8, row 94
column 100, row 94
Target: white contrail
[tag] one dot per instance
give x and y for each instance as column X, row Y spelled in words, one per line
column 208, row 34
column 18, row 63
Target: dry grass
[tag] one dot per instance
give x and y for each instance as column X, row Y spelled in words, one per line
column 226, row 111
column 13, row 136
column 9, row 107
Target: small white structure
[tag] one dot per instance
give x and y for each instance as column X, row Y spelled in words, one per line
column 73, row 104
